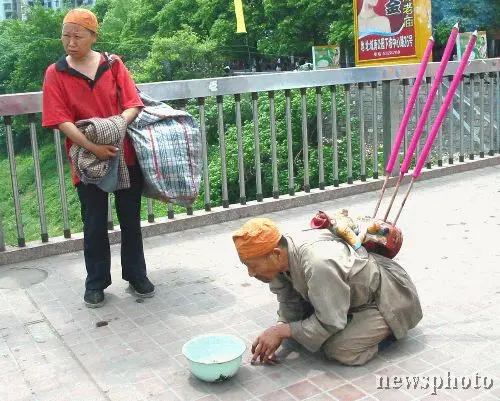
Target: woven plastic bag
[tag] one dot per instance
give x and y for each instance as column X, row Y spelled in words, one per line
column 169, row 150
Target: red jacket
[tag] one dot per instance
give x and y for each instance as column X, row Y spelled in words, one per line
column 69, row 96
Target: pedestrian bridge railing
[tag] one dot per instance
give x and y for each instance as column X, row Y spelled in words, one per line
column 266, row 137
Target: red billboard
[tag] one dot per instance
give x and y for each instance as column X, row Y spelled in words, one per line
column 385, row 29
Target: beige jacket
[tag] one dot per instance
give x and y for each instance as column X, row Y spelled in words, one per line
column 327, row 279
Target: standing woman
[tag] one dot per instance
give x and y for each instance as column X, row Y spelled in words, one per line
column 82, row 85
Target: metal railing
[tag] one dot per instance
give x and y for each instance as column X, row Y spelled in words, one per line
column 356, row 116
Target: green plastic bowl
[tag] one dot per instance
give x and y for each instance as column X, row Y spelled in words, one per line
column 214, row 357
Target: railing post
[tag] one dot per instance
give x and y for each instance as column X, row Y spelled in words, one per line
column 38, row 178
column 481, row 115
column 274, row 145
column 348, row 131
column 256, row 140
column 491, row 100
column 204, row 152
column 2, row 240
column 319, row 125
column 361, row 101
column 62, row 184
column 21, row 241
column 241, row 161
column 222, row 149
column 305, row 144
column 461, row 157
column 288, row 116
column 472, row 116
column 428, row 124
column 390, row 101
column 375, row 129
column 151, row 213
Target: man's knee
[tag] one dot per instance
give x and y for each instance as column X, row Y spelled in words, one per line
column 351, row 357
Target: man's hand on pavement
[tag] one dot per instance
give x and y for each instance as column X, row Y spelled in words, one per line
column 266, row 344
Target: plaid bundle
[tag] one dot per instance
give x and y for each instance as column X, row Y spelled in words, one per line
column 101, row 131
column 169, row 149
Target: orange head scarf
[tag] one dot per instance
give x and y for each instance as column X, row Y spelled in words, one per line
column 82, row 17
column 257, row 237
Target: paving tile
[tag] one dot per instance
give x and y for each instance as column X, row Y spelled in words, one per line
column 249, row 372
column 414, row 365
column 350, row 372
column 230, row 391
column 393, row 395
column 169, row 395
column 124, row 393
column 321, row 397
column 493, row 371
column 443, row 396
column 303, row 390
column 327, row 381
column 391, row 370
column 260, row 386
column 369, row 383
column 284, row 377
column 453, row 349
column 435, row 357
column 123, row 325
column 485, row 397
column 151, row 387
column 466, row 394
column 395, row 354
column 209, row 397
column 191, row 390
column 495, row 391
column 280, row 395
column 347, row 392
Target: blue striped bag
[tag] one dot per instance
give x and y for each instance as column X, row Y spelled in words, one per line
column 169, row 149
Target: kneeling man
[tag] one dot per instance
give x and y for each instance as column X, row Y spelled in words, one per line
column 330, row 296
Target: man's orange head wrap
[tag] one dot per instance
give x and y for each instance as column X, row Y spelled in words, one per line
column 257, row 237
column 82, row 17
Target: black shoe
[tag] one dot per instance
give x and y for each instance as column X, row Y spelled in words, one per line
column 143, row 288
column 94, row 298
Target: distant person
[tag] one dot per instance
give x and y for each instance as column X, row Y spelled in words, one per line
column 370, row 22
column 83, row 85
column 483, row 47
column 336, row 58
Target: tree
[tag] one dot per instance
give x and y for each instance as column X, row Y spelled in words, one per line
column 471, row 15
column 296, row 25
column 183, row 55
column 28, row 48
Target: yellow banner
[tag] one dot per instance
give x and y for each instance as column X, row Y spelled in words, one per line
column 240, row 18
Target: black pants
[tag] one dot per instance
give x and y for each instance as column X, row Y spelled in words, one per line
column 94, row 208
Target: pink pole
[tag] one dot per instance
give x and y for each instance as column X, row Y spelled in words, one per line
column 409, row 107
column 439, row 119
column 430, row 100
column 406, row 118
column 425, row 114
column 445, row 106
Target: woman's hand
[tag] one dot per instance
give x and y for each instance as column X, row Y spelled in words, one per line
column 103, row 152
column 268, row 342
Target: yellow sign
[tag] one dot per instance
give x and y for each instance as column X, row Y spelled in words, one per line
column 240, row 18
column 391, row 31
